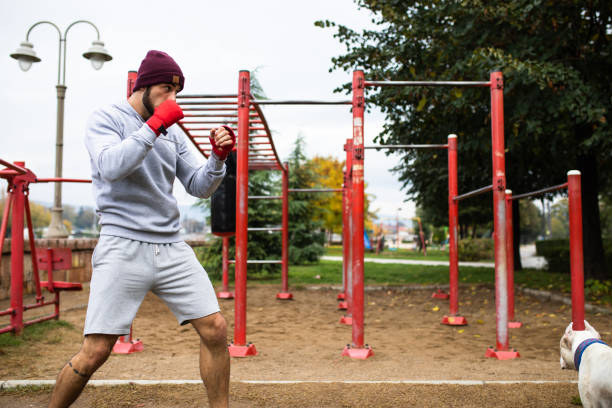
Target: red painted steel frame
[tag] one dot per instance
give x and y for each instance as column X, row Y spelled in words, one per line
column 239, row 347
column 502, row 349
column 347, row 233
column 285, row 294
column 225, row 292
column 576, row 257
column 453, row 319
column 512, row 323
column 358, row 349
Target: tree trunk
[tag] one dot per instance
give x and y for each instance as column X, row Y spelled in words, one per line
column 594, row 260
column 516, row 235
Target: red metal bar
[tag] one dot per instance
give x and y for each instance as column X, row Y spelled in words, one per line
column 285, row 294
column 358, row 349
column 347, row 241
column 62, row 180
column 414, row 146
column 510, row 260
column 206, row 96
column 453, row 221
column 242, row 194
column 499, row 211
column 576, row 255
column 131, row 81
column 13, row 166
column 17, row 255
column 5, row 215
column 35, row 274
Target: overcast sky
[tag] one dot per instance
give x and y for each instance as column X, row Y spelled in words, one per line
column 211, row 41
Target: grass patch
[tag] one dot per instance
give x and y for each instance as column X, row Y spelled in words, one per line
column 26, row 390
column 432, row 254
column 44, row 331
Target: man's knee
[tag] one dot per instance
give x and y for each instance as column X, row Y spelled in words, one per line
column 212, row 329
column 95, row 351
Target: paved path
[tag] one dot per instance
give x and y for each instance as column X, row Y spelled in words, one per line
column 528, row 259
column 415, row 262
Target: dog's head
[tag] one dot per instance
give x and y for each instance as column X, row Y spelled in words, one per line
column 567, row 341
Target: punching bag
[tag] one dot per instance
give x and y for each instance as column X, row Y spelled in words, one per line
column 223, row 201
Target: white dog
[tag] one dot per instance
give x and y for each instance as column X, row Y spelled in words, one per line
column 585, row 352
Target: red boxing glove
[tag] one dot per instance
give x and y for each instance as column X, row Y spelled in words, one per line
column 165, row 115
column 223, row 151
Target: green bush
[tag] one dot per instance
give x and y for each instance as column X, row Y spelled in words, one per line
column 557, row 253
column 476, row 249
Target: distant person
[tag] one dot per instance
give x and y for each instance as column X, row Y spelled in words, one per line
column 135, row 154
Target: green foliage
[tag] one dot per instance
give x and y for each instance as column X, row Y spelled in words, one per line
column 306, row 236
column 530, row 222
column 476, row 249
column 557, row 253
column 555, row 57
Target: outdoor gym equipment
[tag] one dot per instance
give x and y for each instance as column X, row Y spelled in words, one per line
column 573, row 187
column 19, row 179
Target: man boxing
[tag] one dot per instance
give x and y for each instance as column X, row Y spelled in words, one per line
column 135, row 155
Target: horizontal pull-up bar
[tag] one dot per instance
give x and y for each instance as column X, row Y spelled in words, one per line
column 315, row 190
column 473, row 193
column 265, row 197
column 62, row 180
column 265, row 229
column 427, row 83
column 232, row 261
column 205, row 96
column 299, row 102
column 538, row 192
column 415, row 146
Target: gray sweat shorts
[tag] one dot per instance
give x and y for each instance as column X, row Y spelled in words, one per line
column 125, row 270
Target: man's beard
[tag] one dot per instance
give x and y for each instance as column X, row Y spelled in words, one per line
column 146, row 101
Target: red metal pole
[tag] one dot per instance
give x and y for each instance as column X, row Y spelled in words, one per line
column 453, row 319
column 39, row 296
column 131, row 81
column 285, row 294
column 512, row 323
column 453, row 220
column 358, row 349
column 17, row 255
column 7, row 209
column 239, row 347
column 347, row 230
column 225, row 255
column 576, row 256
column 502, row 350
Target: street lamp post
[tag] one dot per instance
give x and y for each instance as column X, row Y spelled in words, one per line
column 25, row 56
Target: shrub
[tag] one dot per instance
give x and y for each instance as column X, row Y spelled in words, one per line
column 476, row 249
column 557, row 253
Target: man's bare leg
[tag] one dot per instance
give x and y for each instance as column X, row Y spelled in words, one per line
column 214, row 358
column 72, row 379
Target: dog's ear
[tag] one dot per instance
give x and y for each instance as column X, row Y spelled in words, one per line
column 562, row 362
column 565, row 348
column 590, row 328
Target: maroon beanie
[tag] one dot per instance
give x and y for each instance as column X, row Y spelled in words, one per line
column 158, row 68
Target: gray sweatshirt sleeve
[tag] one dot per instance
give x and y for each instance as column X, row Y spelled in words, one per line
column 111, row 156
column 198, row 180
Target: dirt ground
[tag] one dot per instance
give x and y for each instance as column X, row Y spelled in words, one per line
column 301, row 340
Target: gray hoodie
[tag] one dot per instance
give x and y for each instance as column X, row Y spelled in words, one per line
column 133, row 172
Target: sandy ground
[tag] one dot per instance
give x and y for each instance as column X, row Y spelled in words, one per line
column 302, row 340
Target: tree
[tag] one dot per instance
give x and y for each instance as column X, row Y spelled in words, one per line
column 555, row 57
column 530, row 223
column 328, row 174
column 306, row 237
